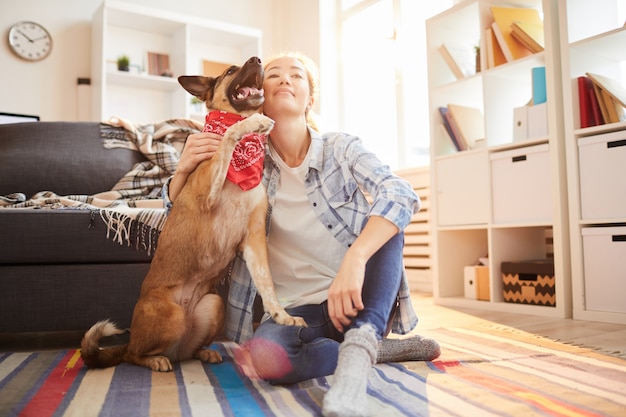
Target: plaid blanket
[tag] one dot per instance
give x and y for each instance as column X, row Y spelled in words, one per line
column 133, row 209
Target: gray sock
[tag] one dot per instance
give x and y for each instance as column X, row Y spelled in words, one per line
column 347, row 397
column 414, row 348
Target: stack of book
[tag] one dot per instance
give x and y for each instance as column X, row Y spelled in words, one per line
column 465, row 125
column 601, row 100
column 515, row 33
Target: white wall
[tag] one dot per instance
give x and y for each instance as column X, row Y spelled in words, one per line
column 48, row 88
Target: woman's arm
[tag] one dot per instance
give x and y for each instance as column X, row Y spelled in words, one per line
column 344, row 294
column 198, row 147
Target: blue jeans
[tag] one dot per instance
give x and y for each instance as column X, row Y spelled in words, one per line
column 313, row 350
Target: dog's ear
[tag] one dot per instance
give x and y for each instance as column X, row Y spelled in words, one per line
column 197, row 85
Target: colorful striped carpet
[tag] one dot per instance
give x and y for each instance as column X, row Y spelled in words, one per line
column 483, row 371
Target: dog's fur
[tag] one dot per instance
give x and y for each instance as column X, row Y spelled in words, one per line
column 178, row 310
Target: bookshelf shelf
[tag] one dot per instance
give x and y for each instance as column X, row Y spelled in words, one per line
column 464, row 205
column 593, row 40
column 121, row 28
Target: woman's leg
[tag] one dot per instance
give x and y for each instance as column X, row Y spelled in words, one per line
column 306, row 352
column 358, row 352
column 383, row 274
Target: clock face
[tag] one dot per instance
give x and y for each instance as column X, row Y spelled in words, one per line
column 30, row 41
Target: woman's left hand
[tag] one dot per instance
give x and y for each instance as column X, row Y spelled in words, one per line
column 344, row 294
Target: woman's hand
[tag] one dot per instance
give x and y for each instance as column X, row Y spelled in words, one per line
column 344, row 294
column 199, row 147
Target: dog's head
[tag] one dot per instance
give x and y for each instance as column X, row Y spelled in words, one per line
column 238, row 90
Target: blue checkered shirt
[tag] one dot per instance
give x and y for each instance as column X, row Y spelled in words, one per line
column 341, row 168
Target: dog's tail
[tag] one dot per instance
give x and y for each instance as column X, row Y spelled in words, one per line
column 90, row 351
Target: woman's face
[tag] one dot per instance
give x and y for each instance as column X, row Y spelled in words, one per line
column 286, row 87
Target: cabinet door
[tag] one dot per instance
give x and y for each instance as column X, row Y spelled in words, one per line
column 602, row 163
column 521, row 183
column 463, row 189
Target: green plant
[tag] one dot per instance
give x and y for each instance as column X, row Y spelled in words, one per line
column 123, row 63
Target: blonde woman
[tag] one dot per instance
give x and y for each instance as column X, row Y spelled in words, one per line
column 336, row 259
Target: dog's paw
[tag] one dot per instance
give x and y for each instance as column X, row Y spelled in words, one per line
column 286, row 320
column 209, row 356
column 160, row 364
column 259, row 123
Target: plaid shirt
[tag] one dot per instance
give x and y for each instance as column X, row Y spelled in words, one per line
column 340, row 168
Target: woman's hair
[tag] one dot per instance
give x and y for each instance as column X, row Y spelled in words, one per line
column 312, row 74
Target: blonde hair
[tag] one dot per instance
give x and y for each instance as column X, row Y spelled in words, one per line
column 312, row 74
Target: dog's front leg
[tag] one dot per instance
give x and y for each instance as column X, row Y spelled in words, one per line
column 254, row 249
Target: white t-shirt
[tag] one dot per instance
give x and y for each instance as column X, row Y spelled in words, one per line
column 304, row 257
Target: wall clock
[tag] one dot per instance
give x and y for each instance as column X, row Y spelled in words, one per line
column 30, row 41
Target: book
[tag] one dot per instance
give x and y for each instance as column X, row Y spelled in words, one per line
column 529, row 34
column 595, row 107
column 611, row 97
column 495, row 56
column 588, row 115
column 601, row 104
column 538, row 75
column 461, row 60
column 467, row 123
column 611, row 86
column 614, row 110
column 446, row 123
column 504, row 17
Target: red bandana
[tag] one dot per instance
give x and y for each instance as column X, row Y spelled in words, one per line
column 246, row 165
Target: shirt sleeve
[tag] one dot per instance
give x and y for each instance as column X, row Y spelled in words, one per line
column 167, row 203
column 392, row 196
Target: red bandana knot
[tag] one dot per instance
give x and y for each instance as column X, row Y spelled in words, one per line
column 246, row 164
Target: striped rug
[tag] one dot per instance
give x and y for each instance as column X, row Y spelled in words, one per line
column 483, row 371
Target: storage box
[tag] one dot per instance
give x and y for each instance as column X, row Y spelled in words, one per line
column 521, row 183
column 604, row 250
column 537, row 121
column 477, row 282
column 602, row 161
column 529, row 282
column 520, row 123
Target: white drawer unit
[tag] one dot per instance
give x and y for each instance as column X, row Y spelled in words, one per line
column 521, row 183
column 463, row 189
column 604, row 255
column 602, row 165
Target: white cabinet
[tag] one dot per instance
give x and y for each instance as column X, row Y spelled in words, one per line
column 593, row 39
column 485, row 203
column 463, row 189
column 521, row 184
column 602, row 167
column 121, row 28
column 604, row 249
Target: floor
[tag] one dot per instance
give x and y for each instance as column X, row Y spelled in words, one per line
column 604, row 337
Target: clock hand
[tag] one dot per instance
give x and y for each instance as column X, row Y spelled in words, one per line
column 24, row 35
column 39, row 38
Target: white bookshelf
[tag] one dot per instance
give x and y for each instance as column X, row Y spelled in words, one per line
column 123, row 28
column 465, row 200
column 593, row 40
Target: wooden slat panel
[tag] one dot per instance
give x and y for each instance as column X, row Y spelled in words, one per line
column 417, row 238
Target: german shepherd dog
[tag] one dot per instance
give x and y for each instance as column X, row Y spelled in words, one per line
column 178, row 311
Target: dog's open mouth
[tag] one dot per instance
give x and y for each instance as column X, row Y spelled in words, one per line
column 249, row 88
column 243, row 93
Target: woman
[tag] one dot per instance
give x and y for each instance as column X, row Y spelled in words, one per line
column 336, row 259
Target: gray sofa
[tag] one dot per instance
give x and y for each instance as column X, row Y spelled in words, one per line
column 58, row 270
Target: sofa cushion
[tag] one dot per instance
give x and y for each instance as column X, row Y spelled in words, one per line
column 43, row 236
column 62, row 157
column 47, row 298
